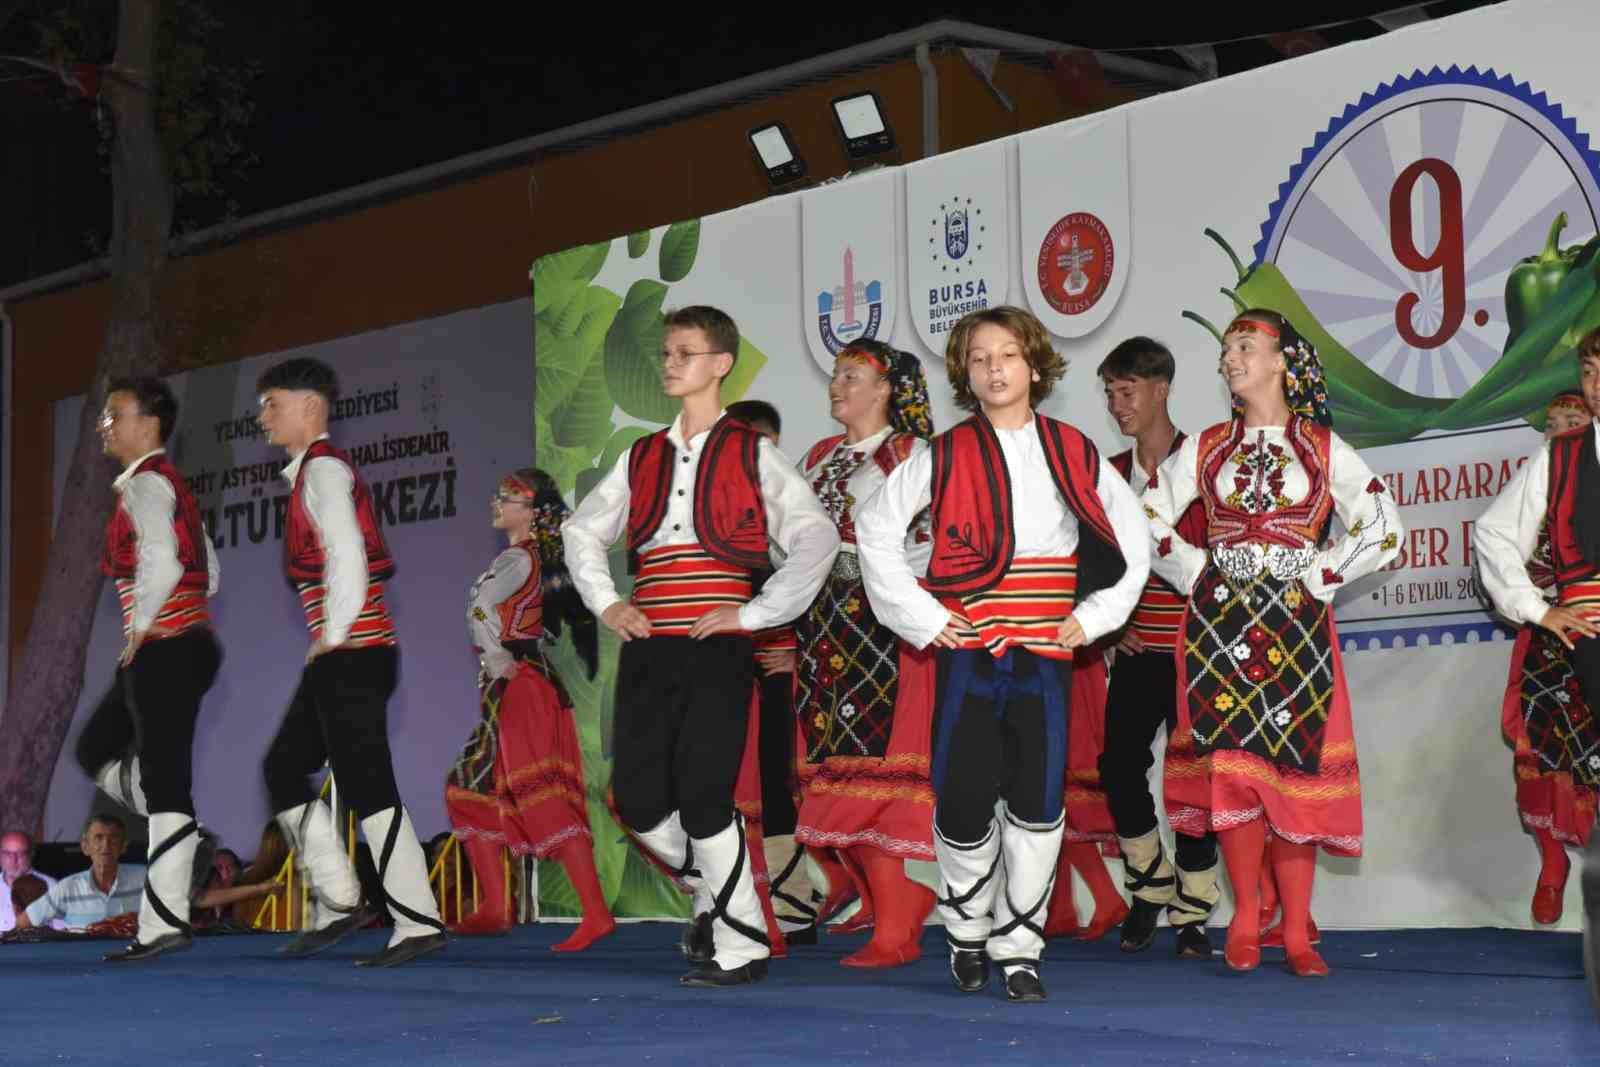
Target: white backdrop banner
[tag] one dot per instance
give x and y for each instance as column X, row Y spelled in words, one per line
column 957, row 235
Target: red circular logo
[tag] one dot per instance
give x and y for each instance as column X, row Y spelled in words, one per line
column 1075, row 263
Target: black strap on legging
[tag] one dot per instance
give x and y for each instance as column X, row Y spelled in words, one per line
column 719, row 906
column 803, row 907
column 383, row 880
column 150, row 894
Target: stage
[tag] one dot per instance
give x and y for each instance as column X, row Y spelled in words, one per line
column 1434, row 996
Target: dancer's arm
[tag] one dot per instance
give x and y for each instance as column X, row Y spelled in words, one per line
column 330, row 501
column 1175, row 561
column 1371, row 522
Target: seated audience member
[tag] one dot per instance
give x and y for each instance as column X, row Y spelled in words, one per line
column 16, row 862
column 26, row 890
column 107, row 889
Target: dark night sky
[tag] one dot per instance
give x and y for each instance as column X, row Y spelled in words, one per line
column 350, row 93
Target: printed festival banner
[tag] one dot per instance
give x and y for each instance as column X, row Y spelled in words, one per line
column 958, row 249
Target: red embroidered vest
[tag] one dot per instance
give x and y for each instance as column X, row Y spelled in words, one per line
column 730, row 516
column 303, row 555
column 974, row 539
column 1565, row 503
column 120, row 557
column 522, row 613
column 1301, row 524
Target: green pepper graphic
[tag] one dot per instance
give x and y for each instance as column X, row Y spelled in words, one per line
column 1533, row 282
column 1368, row 408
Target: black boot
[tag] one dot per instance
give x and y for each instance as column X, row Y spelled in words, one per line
column 311, row 942
column 1023, row 985
column 710, row 973
column 405, row 951
column 1193, row 942
column 1139, row 928
column 970, row 969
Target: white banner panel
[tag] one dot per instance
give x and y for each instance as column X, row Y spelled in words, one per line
column 957, row 236
column 848, row 250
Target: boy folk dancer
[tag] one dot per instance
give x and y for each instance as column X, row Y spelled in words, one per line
column 1558, row 490
column 1039, row 549
column 703, row 504
column 336, row 557
column 793, row 899
column 139, row 744
column 1144, row 677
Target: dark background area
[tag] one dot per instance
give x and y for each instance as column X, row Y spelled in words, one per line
column 350, row 93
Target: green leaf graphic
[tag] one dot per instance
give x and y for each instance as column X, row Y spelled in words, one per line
column 563, row 361
column 632, row 355
column 555, row 276
column 638, row 244
column 678, row 248
column 745, row 368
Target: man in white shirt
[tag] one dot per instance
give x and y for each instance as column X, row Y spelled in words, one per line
column 16, row 860
column 107, row 889
column 705, row 504
column 335, row 554
column 139, row 744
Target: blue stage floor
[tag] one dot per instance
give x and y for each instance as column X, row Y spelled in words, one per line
column 1422, row 997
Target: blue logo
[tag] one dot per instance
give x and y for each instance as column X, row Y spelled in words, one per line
column 955, row 233
column 850, row 311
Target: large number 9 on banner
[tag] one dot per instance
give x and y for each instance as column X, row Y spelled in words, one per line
column 1447, row 257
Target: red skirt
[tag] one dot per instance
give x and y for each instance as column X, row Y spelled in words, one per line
column 1231, row 785
column 1088, row 814
column 1553, row 736
column 882, row 801
column 519, row 781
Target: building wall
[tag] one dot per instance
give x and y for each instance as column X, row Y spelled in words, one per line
column 466, row 245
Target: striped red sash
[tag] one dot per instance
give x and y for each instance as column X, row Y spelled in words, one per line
column 373, row 626
column 1024, row 610
column 1583, row 591
column 776, row 639
column 184, row 610
column 677, row 584
column 1158, row 617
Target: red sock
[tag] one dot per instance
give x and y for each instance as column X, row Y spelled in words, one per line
column 489, row 869
column 864, row 916
column 1269, row 887
column 901, row 907
column 1061, row 919
column 841, row 887
column 1241, row 853
column 1295, row 867
column 577, row 859
column 1553, row 861
column 1084, row 856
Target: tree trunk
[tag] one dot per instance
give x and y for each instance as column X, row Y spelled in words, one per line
column 45, row 690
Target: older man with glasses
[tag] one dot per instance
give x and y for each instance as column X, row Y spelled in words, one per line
column 16, row 860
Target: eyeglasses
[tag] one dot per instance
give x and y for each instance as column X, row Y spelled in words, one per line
column 502, row 500
column 14, row 853
column 681, row 357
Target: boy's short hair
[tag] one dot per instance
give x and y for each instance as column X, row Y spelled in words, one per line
column 1139, row 357
column 721, row 331
column 154, row 397
column 1029, row 332
column 758, row 414
column 301, row 374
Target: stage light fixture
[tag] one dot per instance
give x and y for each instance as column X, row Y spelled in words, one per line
column 777, row 154
column 862, row 126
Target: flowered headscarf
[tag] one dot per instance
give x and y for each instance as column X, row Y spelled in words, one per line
column 561, row 601
column 909, row 408
column 1304, row 385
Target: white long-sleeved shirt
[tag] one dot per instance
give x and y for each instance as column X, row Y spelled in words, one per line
column 329, row 496
column 802, row 536
column 1044, row 526
column 1371, row 519
column 506, row 575
column 150, row 503
column 1505, row 536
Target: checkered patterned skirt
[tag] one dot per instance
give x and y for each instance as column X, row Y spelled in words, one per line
column 519, row 780
column 865, row 706
column 1554, row 737
column 1263, row 716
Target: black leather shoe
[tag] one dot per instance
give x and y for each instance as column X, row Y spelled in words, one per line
column 697, row 943
column 1139, row 928
column 176, row 941
column 1193, row 943
column 405, row 951
column 1023, row 986
column 970, row 969
column 800, row 935
column 311, row 942
column 710, row 973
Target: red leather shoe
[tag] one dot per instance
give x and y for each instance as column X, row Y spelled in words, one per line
column 1102, row 923
column 1273, row 937
column 861, row 920
column 873, row 956
column 1241, row 953
column 1547, row 904
column 482, row 923
column 1308, row 964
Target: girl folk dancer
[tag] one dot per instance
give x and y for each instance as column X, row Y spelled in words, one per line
column 1264, row 739
column 1541, row 532
column 518, row 784
column 1039, row 549
column 863, row 697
